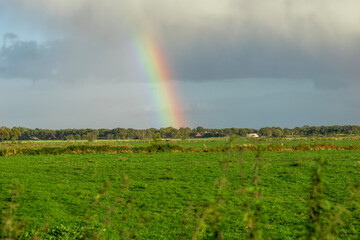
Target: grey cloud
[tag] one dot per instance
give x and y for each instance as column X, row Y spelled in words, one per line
column 9, row 38
column 208, row 57
column 261, row 57
column 203, row 40
column 67, row 59
column 25, row 59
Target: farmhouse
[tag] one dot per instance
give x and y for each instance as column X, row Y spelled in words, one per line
column 252, row 135
column 199, row 134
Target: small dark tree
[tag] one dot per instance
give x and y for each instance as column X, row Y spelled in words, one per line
column 156, row 138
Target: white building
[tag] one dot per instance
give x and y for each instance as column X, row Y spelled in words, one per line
column 252, row 135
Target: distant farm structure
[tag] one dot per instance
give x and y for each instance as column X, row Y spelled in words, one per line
column 199, row 135
column 252, row 135
column 207, row 135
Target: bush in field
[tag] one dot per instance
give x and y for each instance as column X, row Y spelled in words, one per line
column 255, row 217
column 156, row 139
column 75, row 232
column 11, row 225
column 324, row 219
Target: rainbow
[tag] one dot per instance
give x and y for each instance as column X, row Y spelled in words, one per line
column 153, row 63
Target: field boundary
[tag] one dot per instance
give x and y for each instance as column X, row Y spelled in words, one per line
column 82, row 149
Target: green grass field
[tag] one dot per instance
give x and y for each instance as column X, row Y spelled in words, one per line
column 201, row 195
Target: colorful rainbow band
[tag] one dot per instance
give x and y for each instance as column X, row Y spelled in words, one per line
column 154, row 65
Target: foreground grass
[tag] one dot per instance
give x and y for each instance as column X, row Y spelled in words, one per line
column 163, row 195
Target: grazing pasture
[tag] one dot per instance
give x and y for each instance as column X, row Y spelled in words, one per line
column 181, row 195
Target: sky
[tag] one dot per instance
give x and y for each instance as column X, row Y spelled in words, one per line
column 233, row 63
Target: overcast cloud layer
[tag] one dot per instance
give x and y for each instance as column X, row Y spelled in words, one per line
column 203, row 40
column 91, row 41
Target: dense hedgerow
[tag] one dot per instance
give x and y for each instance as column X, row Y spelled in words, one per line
column 167, row 147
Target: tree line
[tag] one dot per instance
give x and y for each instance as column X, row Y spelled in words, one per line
column 22, row 133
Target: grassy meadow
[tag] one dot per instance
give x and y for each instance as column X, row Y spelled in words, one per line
column 233, row 194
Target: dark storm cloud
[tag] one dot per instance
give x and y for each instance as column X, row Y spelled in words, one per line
column 205, row 40
column 204, row 59
column 260, row 57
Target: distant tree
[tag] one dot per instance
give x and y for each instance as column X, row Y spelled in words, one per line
column 265, row 131
column 95, row 132
column 287, row 132
column 276, row 132
column 149, row 133
column 110, row 136
column 242, row 132
column 69, row 137
column 355, row 130
column 297, row 131
column 184, row 133
column 131, row 133
column 171, row 132
column 119, row 133
column 200, row 129
column 4, row 133
column 23, row 133
column 90, row 136
column 140, row 133
column 229, row 131
column 15, row 133
column 103, row 132
column 163, row 132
